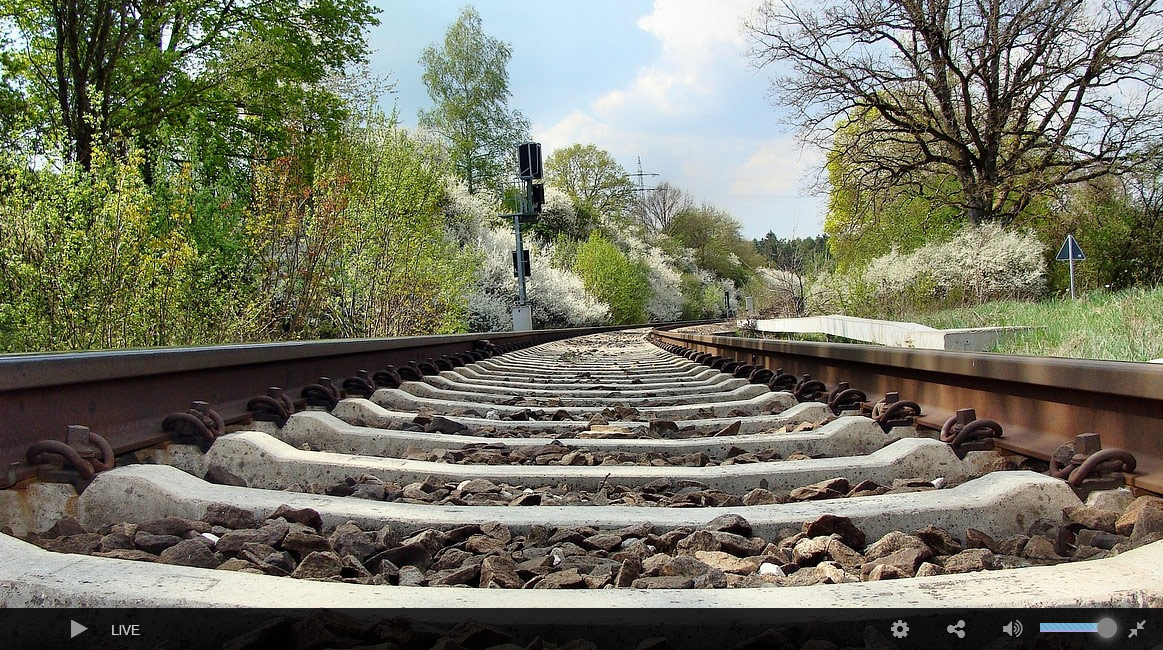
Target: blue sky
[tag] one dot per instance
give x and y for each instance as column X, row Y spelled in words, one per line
column 668, row 81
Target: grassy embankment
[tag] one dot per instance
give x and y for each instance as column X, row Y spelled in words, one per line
column 1126, row 325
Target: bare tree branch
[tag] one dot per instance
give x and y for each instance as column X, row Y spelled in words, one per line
column 1013, row 98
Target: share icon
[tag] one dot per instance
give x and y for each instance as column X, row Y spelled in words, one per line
column 1135, row 630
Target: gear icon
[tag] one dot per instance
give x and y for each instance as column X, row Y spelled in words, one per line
column 900, row 629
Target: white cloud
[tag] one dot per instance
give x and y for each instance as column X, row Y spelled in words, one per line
column 696, row 113
column 575, row 127
column 693, row 29
column 779, row 167
column 697, row 38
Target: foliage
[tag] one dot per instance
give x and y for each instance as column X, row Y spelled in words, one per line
column 593, row 180
column 795, row 254
column 615, row 279
column 1119, row 225
column 84, row 264
column 776, row 293
column 1011, row 99
column 15, row 110
column 294, row 226
column 468, row 80
column 559, row 217
column 979, row 264
column 358, row 249
column 666, row 300
column 715, row 239
column 400, row 276
column 347, row 245
column 702, row 296
column 871, row 211
column 659, row 206
column 559, row 297
column 106, row 73
column 466, row 215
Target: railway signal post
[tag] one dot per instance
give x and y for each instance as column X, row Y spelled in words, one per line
column 529, row 171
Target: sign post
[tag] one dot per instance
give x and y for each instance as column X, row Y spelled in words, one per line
column 1070, row 252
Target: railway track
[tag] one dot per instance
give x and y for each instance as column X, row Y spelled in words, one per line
column 613, row 470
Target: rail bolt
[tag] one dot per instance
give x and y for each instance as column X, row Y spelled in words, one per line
column 80, row 451
column 892, row 411
column 1090, row 467
column 964, row 432
column 275, row 407
column 200, row 423
column 845, row 398
column 323, row 394
column 361, row 384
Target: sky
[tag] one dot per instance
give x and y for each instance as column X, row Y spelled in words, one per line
column 668, row 82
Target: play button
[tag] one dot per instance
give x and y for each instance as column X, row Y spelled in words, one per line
column 75, row 628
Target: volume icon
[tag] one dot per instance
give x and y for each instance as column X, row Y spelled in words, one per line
column 1013, row 628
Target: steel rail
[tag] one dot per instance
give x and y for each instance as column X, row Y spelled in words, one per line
column 1041, row 402
column 124, row 395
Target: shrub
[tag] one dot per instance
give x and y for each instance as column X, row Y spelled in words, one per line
column 610, row 275
column 666, row 300
column 84, row 263
column 558, row 296
column 777, row 293
column 979, row 264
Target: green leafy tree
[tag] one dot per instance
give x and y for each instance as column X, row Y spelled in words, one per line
column 595, row 182
column 614, row 278
column 714, row 238
column 14, row 107
column 112, row 72
column 874, row 208
column 402, row 274
column 1119, row 225
column 700, row 299
column 467, row 78
column 794, row 254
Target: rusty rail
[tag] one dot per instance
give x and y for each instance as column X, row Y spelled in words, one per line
column 125, row 395
column 1040, row 402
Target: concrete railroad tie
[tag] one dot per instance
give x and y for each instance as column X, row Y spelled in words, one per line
column 847, row 436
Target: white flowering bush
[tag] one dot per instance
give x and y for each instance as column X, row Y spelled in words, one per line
column 558, row 216
column 666, row 300
column 466, row 215
column 980, row 264
column 558, row 296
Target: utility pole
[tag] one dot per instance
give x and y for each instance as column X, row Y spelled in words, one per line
column 642, row 189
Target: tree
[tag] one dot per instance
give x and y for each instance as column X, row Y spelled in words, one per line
column 468, row 80
column 116, row 70
column 1119, row 223
column 659, row 206
column 714, row 237
column 1011, row 98
column 594, row 181
column 795, row 254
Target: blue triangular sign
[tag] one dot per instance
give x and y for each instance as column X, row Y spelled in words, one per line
column 1070, row 251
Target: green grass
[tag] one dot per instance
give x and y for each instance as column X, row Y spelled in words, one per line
column 1125, row 326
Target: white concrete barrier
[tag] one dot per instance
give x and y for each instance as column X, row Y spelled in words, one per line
column 892, row 333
